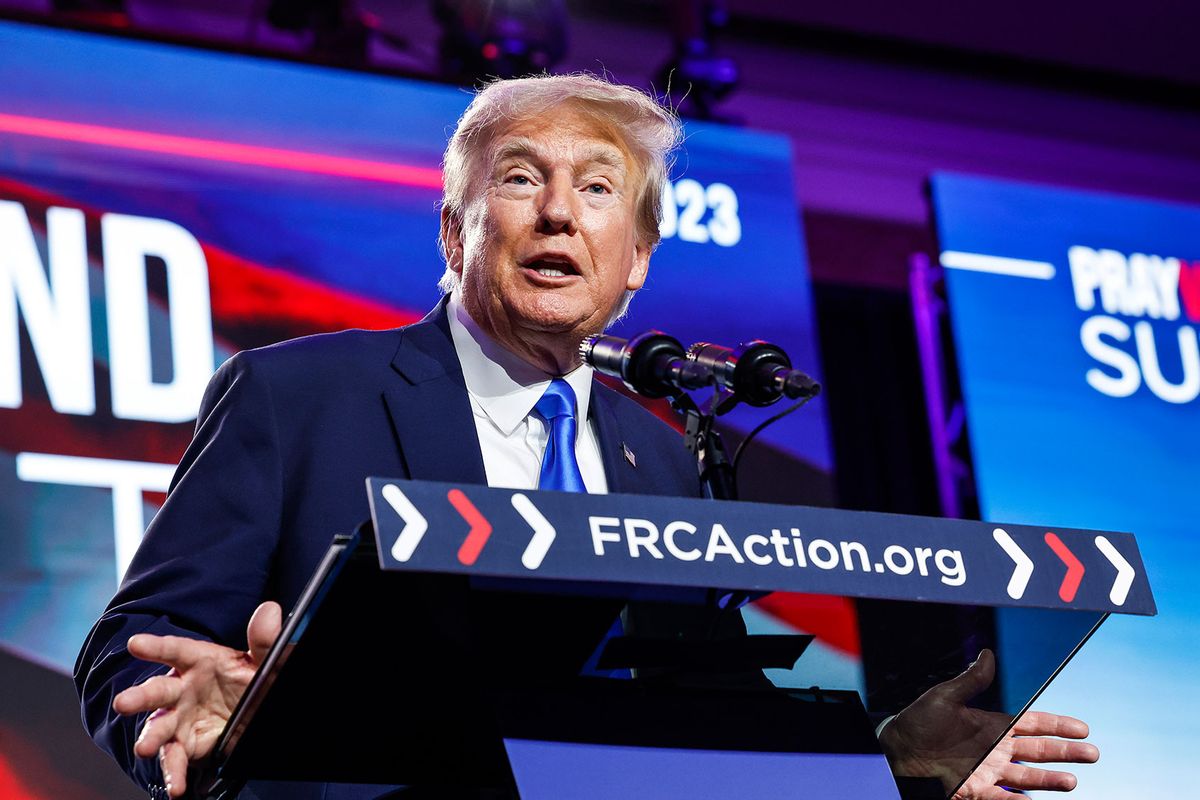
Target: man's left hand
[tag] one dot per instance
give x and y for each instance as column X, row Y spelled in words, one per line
column 939, row 736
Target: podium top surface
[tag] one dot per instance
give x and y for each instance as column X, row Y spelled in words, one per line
column 642, row 540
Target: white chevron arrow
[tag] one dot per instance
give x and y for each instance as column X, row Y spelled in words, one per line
column 415, row 525
column 1120, row 587
column 1024, row 568
column 543, row 532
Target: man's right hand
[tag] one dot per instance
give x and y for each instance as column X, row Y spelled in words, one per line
column 192, row 702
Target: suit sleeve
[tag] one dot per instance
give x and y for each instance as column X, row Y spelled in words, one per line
column 205, row 562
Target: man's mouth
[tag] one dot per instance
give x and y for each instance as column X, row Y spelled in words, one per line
column 552, row 266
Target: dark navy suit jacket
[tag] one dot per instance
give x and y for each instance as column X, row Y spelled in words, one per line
column 285, row 436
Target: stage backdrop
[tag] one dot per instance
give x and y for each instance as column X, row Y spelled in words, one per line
column 162, row 208
column 1075, row 324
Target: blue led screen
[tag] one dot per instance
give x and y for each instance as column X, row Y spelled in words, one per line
column 1075, row 322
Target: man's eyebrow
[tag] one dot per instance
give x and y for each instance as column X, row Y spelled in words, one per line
column 523, row 147
column 515, row 148
column 605, row 154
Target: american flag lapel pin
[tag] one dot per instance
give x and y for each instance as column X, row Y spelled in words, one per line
column 629, row 456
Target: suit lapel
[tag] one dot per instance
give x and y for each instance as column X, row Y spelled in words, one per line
column 621, row 473
column 429, row 406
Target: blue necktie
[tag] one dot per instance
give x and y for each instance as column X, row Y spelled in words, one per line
column 560, row 469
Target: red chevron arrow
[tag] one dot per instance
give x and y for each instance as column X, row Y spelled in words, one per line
column 1070, row 584
column 480, row 530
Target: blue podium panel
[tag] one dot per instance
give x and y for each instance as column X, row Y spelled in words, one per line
column 587, row 771
column 647, row 740
column 637, row 540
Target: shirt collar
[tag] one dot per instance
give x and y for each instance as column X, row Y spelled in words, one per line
column 505, row 386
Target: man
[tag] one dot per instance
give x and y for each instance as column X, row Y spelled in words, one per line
column 550, row 214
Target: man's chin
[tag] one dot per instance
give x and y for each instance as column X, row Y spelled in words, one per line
column 550, row 321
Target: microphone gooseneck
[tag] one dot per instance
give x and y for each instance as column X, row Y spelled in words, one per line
column 654, row 364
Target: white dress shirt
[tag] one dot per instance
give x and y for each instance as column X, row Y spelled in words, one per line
column 503, row 390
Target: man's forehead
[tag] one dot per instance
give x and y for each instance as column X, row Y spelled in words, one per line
column 586, row 138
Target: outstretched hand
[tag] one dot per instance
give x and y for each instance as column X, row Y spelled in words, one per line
column 939, row 736
column 194, row 700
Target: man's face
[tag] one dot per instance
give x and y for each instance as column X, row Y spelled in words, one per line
column 549, row 242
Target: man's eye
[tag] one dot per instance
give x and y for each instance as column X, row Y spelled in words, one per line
column 519, row 180
column 597, row 188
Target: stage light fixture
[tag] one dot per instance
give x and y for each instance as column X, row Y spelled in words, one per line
column 503, row 38
column 97, row 12
column 697, row 78
column 341, row 32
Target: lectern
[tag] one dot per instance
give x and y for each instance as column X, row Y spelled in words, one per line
column 477, row 642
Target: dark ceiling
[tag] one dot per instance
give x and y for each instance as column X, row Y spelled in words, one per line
column 1149, row 38
column 1140, row 43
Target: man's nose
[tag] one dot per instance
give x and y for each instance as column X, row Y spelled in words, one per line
column 557, row 213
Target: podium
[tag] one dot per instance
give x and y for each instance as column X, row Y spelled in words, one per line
column 478, row 642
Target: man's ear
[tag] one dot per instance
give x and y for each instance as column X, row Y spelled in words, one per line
column 451, row 238
column 641, row 266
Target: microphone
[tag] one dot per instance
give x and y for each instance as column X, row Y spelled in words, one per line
column 757, row 372
column 652, row 364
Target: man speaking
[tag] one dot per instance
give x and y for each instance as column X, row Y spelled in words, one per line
column 552, row 195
